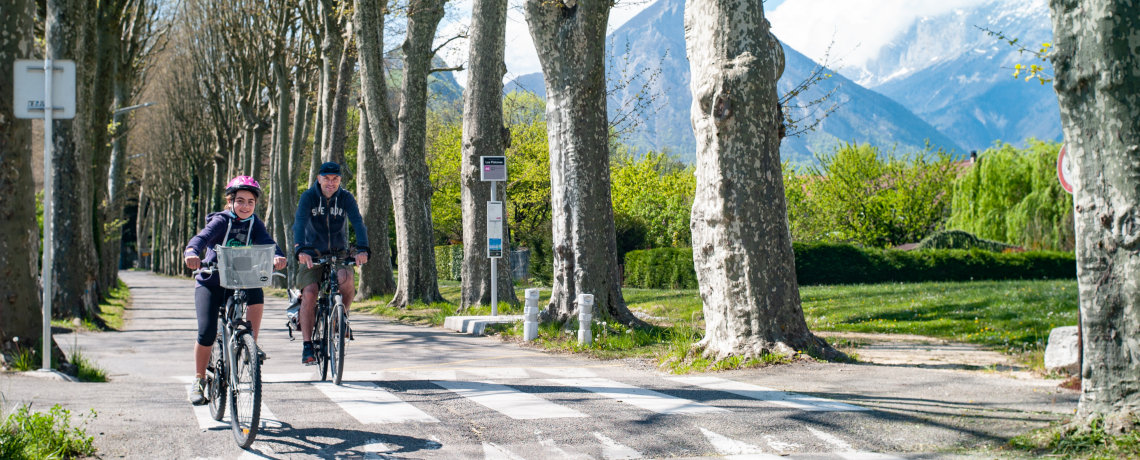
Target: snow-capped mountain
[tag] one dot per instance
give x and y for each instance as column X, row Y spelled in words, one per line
column 958, row 78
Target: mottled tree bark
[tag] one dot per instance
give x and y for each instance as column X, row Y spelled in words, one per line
column 483, row 135
column 570, row 40
column 74, row 290
column 742, row 247
column 403, row 141
column 19, row 237
column 1096, row 61
column 375, row 201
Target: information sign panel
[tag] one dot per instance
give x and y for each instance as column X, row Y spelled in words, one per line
column 493, row 168
column 494, row 229
column 28, row 86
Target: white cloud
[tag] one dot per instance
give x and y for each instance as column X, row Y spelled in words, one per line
column 860, row 28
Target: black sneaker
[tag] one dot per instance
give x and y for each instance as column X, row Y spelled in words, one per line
column 261, row 356
column 307, row 356
column 197, row 392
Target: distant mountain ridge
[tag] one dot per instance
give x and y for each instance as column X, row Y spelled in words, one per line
column 655, row 39
column 948, row 71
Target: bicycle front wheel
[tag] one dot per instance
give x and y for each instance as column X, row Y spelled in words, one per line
column 320, row 344
column 245, row 397
column 338, row 328
column 216, row 380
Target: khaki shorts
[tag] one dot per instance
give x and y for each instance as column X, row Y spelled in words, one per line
column 307, row 276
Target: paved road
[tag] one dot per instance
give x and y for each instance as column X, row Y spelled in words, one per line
column 415, row 392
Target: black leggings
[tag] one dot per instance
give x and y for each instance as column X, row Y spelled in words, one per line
column 208, row 301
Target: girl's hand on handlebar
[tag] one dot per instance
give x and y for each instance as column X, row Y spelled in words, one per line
column 193, row 262
column 279, row 263
column 361, row 258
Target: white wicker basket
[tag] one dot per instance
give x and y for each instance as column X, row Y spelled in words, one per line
column 245, row 267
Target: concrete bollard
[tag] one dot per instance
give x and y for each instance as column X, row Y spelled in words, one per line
column 530, row 316
column 585, row 315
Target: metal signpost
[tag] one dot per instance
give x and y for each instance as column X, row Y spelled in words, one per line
column 45, row 89
column 494, row 169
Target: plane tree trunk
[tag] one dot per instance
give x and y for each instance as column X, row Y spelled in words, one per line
column 742, row 248
column 570, row 39
column 1097, row 80
column 375, row 200
column 402, row 141
column 484, row 135
column 19, row 238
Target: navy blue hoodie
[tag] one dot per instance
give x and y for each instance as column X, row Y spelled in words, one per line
column 321, row 222
column 246, row 232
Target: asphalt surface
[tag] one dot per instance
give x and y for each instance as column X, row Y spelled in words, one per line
column 416, row 392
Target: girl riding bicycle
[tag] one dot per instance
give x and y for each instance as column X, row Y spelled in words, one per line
column 236, row 226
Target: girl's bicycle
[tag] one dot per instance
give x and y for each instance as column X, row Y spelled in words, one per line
column 233, row 374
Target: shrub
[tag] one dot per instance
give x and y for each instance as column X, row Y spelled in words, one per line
column 27, row 435
column 960, row 239
column 663, row 268
column 449, row 262
column 831, row 263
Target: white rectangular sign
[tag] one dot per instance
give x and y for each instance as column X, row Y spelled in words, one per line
column 494, row 229
column 492, row 168
column 28, row 97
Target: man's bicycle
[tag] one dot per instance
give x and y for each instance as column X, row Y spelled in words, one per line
column 233, row 374
column 331, row 327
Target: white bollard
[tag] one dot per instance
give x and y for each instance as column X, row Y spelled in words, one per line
column 585, row 315
column 530, row 316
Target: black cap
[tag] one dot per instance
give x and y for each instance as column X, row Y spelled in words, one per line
column 330, row 167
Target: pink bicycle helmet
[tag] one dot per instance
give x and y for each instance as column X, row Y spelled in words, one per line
column 243, row 183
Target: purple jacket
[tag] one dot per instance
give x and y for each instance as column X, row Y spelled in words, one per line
column 241, row 233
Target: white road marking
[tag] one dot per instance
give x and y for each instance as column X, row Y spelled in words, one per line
column 640, row 397
column 298, row 377
column 268, row 418
column 368, row 403
column 492, row 451
column 783, row 398
column 508, row 401
column 420, row 375
column 728, row 446
column 551, row 447
column 567, row 372
column 866, row 456
column 611, row 450
column 498, row 372
column 375, row 450
column 835, row 442
column 184, row 378
column 205, row 421
column 780, row 446
column 362, row 376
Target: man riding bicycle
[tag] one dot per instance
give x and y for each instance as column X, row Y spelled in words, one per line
column 319, row 229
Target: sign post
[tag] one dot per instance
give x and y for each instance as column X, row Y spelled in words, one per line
column 494, row 169
column 45, row 90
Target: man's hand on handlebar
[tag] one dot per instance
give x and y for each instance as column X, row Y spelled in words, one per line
column 305, row 259
column 361, row 258
column 279, row 263
column 193, row 262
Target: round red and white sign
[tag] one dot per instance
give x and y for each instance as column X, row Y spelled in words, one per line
column 1065, row 169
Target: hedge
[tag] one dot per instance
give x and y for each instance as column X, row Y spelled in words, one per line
column 449, row 262
column 961, row 239
column 825, row 263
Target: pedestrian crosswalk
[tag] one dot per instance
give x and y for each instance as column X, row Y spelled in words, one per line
column 552, row 394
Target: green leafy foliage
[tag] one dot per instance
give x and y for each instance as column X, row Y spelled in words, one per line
column 444, row 158
column 449, row 261
column 652, row 196
column 33, row 435
column 858, row 195
column 837, row 263
column 1091, row 442
column 1012, row 195
column 960, row 239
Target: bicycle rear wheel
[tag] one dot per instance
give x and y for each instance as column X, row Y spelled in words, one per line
column 320, row 343
column 216, row 377
column 245, row 399
column 338, row 328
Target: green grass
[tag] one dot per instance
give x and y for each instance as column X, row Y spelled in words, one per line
column 1088, row 443
column 112, row 312
column 88, row 370
column 33, row 435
